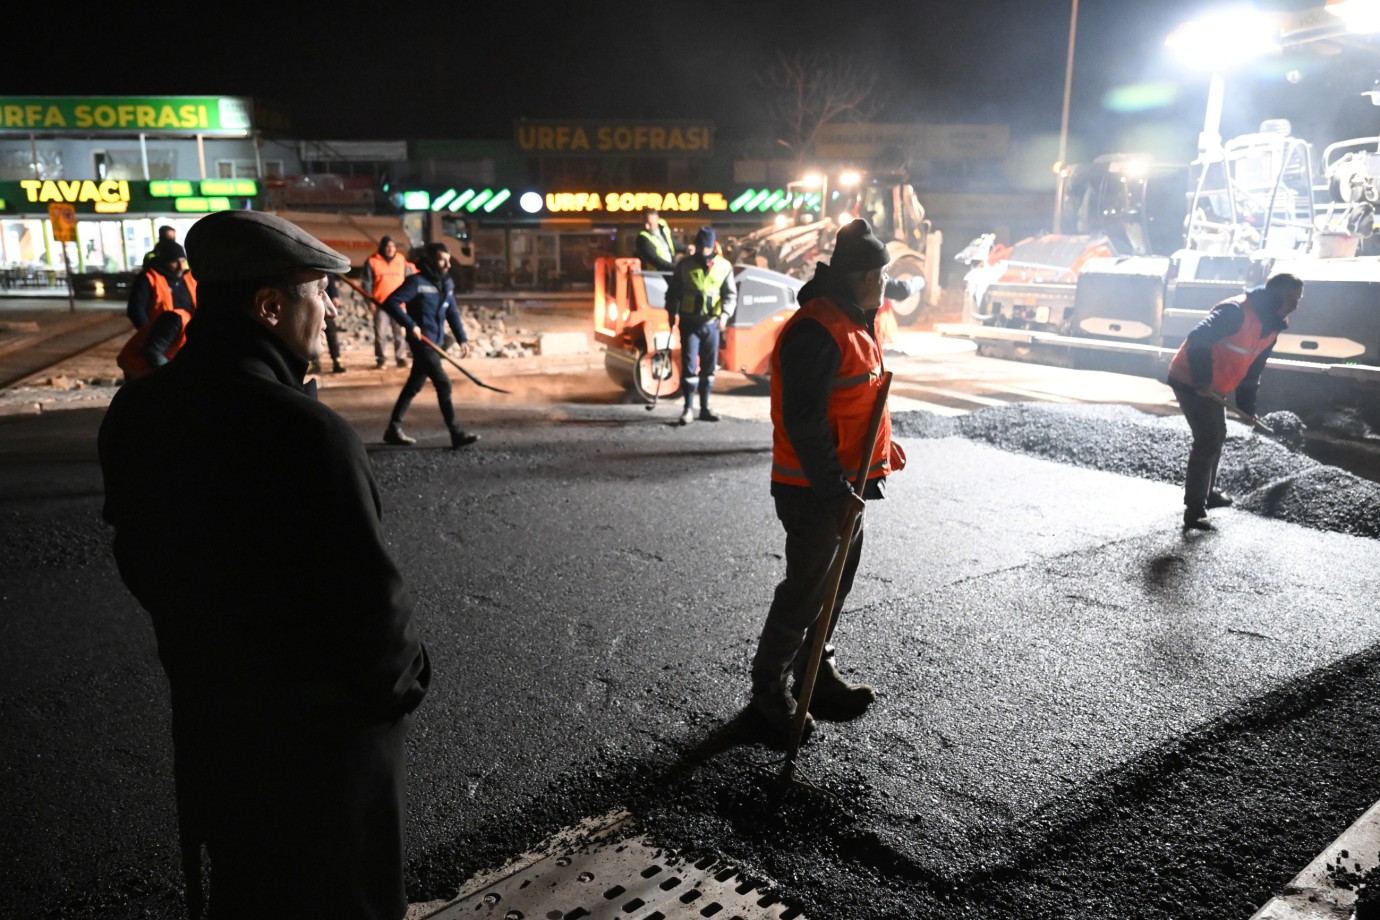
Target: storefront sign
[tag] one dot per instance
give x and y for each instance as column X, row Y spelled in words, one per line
column 618, row 138
column 119, row 196
column 221, row 115
column 108, row 197
column 560, row 202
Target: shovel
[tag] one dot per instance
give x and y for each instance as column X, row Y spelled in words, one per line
column 378, row 306
column 787, row 779
column 1256, row 424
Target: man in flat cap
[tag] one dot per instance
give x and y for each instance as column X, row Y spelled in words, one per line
column 826, row 376
column 246, row 523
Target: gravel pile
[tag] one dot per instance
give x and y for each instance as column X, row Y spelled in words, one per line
column 486, row 328
column 1267, row 476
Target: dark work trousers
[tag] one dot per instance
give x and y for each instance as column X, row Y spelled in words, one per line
column 386, row 328
column 304, row 829
column 811, row 541
column 1208, row 422
column 425, row 364
column 699, row 357
column 332, row 340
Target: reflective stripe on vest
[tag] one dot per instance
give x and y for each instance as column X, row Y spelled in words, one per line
column 702, row 294
column 388, row 274
column 1232, row 356
column 852, row 395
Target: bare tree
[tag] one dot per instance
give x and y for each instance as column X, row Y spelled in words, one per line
column 813, row 89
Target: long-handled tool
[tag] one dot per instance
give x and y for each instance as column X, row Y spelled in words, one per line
column 438, row 349
column 666, row 359
column 834, row 578
column 1252, row 420
column 445, row 354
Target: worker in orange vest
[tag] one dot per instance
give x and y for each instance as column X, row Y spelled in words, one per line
column 1225, row 353
column 826, row 377
column 160, row 283
column 384, row 273
column 166, row 296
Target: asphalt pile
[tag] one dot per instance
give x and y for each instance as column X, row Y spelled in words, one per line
column 1270, row 476
column 486, row 328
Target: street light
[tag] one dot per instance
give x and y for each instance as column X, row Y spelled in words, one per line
column 1064, row 122
column 1217, row 42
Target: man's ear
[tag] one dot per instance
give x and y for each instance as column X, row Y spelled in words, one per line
column 268, row 306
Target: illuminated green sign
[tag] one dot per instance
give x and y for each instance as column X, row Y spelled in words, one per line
column 121, row 196
column 453, row 199
column 201, row 204
column 762, row 200
column 223, row 115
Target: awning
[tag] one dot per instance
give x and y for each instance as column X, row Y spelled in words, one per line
column 355, row 236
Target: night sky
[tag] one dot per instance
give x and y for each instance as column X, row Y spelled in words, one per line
column 468, row 70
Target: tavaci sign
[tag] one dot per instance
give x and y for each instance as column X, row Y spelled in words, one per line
column 223, row 115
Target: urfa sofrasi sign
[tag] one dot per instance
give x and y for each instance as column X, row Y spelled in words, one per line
column 581, row 138
column 125, row 115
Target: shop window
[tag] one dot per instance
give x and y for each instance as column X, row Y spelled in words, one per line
column 129, row 164
column 17, row 165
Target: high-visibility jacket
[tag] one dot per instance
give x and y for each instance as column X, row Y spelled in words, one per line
column 852, row 397
column 1232, row 356
column 702, row 288
column 388, row 274
column 162, row 291
column 661, row 241
column 131, row 358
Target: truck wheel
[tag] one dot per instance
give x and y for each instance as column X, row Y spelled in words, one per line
column 908, row 310
column 656, row 375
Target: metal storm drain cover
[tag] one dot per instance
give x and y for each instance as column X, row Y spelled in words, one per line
column 598, row 873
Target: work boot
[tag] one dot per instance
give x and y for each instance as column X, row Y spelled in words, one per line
column 707, row 416
column 835, row 699
column 338, row 368
column 772, row 712
column 402, row 362
column 459, row 438
column 1196, row 519
column 378, row 363
column 314, row 367
column 1217, row 499
column 394, row 435
column 687, row 416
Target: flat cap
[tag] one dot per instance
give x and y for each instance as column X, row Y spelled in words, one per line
column 243, row 245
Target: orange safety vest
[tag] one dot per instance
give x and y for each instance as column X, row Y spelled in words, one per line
column 131, row 357
column 162, row 291
column 1231, row 356
column 388, row 275
column 851, row 398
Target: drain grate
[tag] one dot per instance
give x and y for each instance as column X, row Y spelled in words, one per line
column 607, row 875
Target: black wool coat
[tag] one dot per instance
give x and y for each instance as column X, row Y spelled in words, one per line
column 247, row 524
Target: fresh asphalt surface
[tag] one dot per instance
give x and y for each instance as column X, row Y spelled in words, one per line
column 1082, row 711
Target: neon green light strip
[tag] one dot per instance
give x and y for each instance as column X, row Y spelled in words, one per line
column 502, row 196
column 465, row 196
column 443, row 199
column 480, row 199
column 737, row 203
